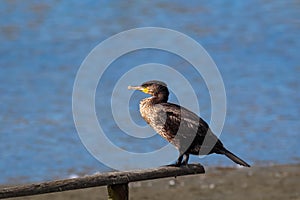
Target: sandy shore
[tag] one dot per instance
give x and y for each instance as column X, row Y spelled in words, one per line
column 275, row 182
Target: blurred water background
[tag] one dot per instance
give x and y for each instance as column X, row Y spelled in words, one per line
column 255, row 45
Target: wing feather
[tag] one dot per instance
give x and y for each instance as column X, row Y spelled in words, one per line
column 174, row 118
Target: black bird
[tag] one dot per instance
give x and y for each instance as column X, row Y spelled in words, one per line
column 184, row 129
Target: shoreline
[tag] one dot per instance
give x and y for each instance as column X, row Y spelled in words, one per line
column 257, row 182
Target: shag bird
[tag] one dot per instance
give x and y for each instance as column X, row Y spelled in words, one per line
column 184, row 129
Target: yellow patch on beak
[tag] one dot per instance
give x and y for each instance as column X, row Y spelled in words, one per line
column 140, row 88
column 145, row 90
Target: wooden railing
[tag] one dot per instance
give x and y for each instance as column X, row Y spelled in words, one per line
column 116, row 182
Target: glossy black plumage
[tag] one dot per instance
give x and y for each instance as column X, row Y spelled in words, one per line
column 189, row 133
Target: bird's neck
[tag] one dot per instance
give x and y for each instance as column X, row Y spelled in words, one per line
column 147, row 103
column 154, row 100
column 159, row 98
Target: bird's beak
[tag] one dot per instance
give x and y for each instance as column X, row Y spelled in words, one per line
column 145, row 90
column 135, row 88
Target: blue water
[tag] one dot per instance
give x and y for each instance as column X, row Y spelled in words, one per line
column 254, row 44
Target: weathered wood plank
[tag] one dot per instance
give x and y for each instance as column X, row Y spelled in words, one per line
column 110, row 178
column 118, row 192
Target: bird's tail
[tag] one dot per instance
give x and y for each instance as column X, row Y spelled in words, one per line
column 234, row 158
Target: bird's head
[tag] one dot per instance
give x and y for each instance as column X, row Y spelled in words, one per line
column 154, row 88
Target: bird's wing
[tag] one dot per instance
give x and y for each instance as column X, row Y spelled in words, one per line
column 192, row 131
column 180, row 119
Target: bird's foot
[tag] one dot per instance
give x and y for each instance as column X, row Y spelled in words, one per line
column 186, row 160
column 184, row 163
column 179, row 161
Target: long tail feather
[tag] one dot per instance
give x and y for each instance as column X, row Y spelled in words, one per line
column 234, row 158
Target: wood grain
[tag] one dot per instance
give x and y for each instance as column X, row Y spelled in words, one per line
column 103, row 179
